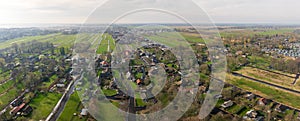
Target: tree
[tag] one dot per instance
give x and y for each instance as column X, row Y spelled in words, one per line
column 62, row 51
column 2, row 62
column 16, row 47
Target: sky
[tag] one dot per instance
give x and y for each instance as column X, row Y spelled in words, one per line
column 220, row 11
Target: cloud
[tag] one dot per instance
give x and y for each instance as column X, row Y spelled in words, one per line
column 76, row 11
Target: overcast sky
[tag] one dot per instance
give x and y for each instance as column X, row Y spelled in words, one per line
column 221, row 11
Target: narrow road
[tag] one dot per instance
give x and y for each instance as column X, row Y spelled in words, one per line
column 3, row 82
column 60, row 106
column 267, row 83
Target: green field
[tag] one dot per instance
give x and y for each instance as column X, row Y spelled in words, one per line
column 59, row 40
column 270, row 77
column 4, row 76
column 193, row 38
column 9, row 96
column 73, row 106
column 109, row 92
column 4, row 87
column 171, row 39
column 106, row 42
column 25, row 39
column 43, row 104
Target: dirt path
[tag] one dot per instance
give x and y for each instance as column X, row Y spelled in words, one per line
column 6, row 91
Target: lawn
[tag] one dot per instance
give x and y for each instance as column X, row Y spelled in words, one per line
column 43, row 104
column 73, row 106
column 234, row 109
column 109, row 92
column 265, row 91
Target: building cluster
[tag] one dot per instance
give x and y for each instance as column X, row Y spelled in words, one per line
column 250, row 106
column 289, row 50
column 19, row 107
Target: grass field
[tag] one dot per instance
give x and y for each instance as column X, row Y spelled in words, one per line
column 4, row 76
column 73, row 106
column 170, row 39
column 6, row 86
column 106, row 43
column 192, row 38
column 261, row 62
column 58, row 39
column 270, row 77
column 43, row 104
column 9, row 96
column 251, row 33
column 25, row 39
column 265, row 91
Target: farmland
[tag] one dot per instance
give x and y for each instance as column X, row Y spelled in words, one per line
column 270, row 77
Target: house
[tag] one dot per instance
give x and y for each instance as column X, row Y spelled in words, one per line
column 263, row 101
column 104, row 63
column 84, row 112
column 218, row 96
column 60, row 85
column 281, row 108
column 239, row 53
column 15, row 110
column 62, row 80
column 250, row 115
column 250, row 96
column 68, row 60
column 138, row 81
column 227, row 104
column 27, row 110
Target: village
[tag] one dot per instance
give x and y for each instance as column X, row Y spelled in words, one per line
column 42, row 74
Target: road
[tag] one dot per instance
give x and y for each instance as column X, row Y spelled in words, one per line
column 266, row 83
column 60, row 106
column 108, row 45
